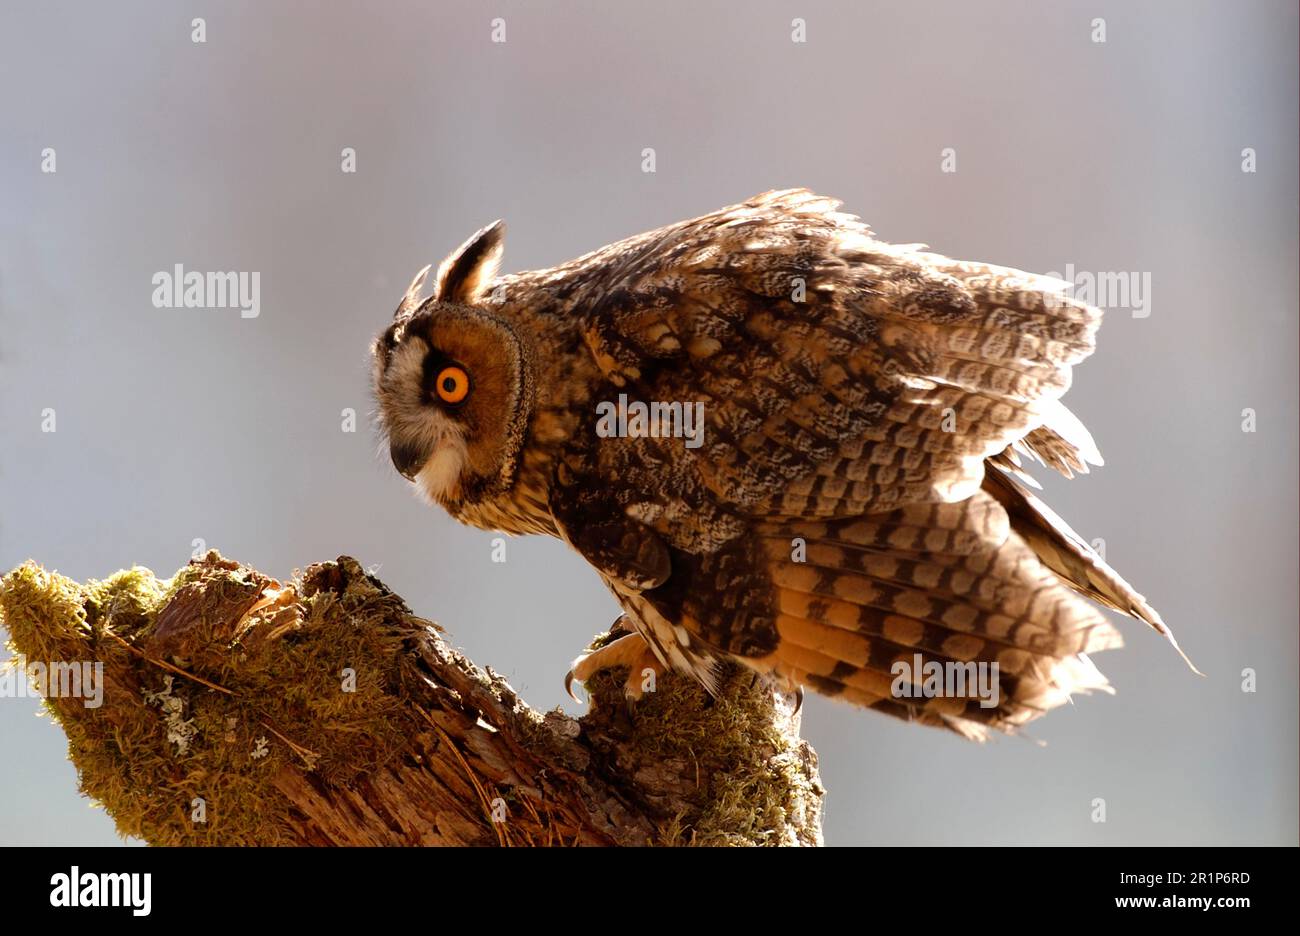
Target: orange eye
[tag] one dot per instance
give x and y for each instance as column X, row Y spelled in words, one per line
column 452, row 385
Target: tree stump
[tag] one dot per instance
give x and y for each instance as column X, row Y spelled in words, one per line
column 238, row 710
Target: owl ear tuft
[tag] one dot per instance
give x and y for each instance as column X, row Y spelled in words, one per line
column 466, row 274
column 411, row 301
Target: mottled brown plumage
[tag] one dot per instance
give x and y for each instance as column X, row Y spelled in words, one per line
column 855, row 500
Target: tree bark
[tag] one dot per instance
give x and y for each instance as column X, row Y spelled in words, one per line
column 235, row 709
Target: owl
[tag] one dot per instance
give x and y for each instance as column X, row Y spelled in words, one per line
column 830, row 486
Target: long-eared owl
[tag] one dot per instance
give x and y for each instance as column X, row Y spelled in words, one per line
column 850, row 510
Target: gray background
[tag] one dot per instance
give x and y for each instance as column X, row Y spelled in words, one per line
column 177, row 424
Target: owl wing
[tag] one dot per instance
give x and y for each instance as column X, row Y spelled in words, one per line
column 837, row 375
column 852, row 392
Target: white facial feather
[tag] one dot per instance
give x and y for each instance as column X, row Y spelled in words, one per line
column 421, row 426
column 438, row 479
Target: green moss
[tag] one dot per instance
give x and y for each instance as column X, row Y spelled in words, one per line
column 128, row 598
column 317, row 680
column 43, row 612
column 755, row 785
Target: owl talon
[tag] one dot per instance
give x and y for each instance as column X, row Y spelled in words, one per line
column 621, row 626
column 631, row 651
column 568, row 686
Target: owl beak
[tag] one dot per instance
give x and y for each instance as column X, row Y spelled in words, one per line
column 407, row 460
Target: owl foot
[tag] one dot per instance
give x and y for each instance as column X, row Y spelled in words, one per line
column 631, row 651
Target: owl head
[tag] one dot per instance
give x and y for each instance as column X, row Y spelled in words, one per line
column 453, row 381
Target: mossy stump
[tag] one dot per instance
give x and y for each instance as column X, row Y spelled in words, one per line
column 238, row 710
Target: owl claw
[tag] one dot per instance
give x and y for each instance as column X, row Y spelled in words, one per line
column 568, row 686
column 798, row 699
column 630, row 650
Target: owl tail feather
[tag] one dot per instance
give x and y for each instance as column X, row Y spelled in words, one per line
column 936, row 613
column 1070, row 556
